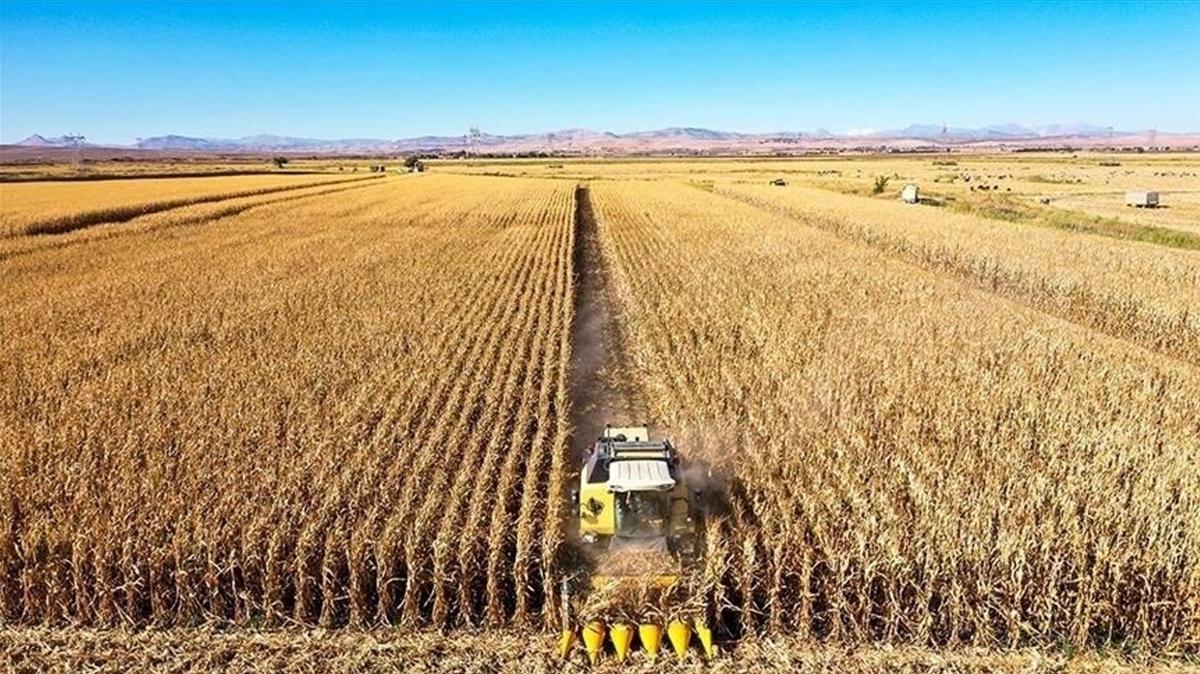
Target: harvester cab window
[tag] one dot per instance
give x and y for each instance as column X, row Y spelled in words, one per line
column 641, row 514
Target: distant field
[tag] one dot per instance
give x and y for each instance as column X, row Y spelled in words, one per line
column 1182, row 210
column 961, row 435
column 1079, row 188
column 24, row 164
column 1142, row 292
column 57, row 207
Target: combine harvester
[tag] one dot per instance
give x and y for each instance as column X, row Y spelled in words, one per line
column 640, row 524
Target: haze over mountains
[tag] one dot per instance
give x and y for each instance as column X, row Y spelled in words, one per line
column 683, row 139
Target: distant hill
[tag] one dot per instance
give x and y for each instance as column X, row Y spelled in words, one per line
column 183, row 143
column 38, row 140
column 668, row 140
column 995, row 132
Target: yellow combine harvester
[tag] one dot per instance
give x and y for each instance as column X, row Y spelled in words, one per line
column 635, row 507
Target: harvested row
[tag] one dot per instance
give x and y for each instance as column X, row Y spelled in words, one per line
column 907, row 459
column 334, row 410
column 194, row 214
column 1141, row 292
column 56, row 207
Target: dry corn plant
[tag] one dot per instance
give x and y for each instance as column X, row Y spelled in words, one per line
column 642, row 599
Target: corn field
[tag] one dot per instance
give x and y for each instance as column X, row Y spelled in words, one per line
column 323, row 401
column 1141, row 292
column 907, row 458
column 327, row 411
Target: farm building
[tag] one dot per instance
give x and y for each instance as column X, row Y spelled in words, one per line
column 911, row 194
column 1141, row 199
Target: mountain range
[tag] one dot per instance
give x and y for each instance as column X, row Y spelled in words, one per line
column 683, row 139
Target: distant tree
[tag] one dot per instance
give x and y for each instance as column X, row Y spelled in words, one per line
column 881, row 183
column 280, row 162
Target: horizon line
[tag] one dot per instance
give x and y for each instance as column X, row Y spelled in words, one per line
column 1089, row 129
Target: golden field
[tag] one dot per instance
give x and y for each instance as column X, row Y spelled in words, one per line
column 1074, row 191
column 246, row 420
column 57, row 207
column 956, row 436
column 1143, row 292
column 912, row 458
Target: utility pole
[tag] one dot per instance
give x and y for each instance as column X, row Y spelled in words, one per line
column 473, row 137
column 76, row 141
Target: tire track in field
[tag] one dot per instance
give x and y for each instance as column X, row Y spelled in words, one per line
column 598, row 378
column 599, row 387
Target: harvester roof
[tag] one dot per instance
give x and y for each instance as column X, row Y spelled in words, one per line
column 640, row 475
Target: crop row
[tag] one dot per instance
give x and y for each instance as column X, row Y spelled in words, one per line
column 57, row 207
column 1141, row 292
column 179, row 216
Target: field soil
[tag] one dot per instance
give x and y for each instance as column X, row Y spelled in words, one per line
column 62, row 651
column 599, row 392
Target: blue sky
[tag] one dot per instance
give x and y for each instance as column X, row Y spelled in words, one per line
column 116, row 71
